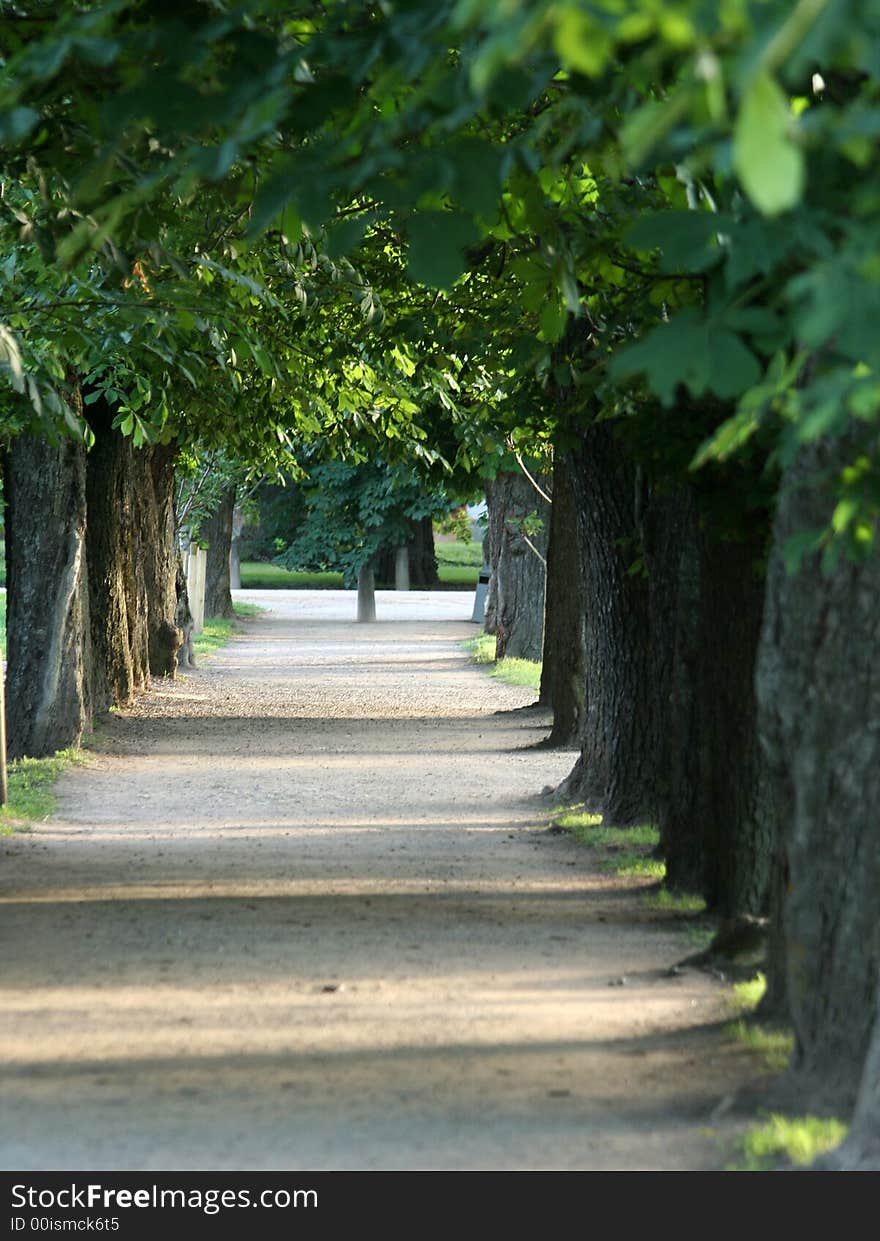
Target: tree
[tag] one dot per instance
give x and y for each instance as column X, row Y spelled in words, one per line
column 349, row 514
column 517, row 539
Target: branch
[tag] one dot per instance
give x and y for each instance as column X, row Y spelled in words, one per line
column 542, row 494
column 528, row 542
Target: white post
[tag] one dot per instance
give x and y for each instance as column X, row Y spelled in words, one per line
column 401, row 569
column 196, row 571
column 235, row 550
column 366, row 594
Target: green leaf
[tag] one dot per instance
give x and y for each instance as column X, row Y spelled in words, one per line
column 769, row 165
column 687, row 240
column 437, row 241
column 478, row 176
column 553, row 318
column 581, row 42
column 732, row 367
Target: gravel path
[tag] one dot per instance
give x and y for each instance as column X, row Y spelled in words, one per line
column 299, row 910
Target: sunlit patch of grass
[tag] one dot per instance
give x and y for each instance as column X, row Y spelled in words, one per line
column 215, row 634
column 633, row 864
column 481, row 648
column 518, row 672
column 623, row 850
column 575, row 820
column 31, row 789
column 797, row 1140
column 685, row 903
column 525, row 672
column 774, row 1047
column 460, row 575
column 218, row 631
column 749, row 994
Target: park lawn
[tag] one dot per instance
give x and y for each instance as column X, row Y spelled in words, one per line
column 257, row 575
column 458, row 568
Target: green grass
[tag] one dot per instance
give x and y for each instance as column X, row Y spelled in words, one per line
column 795, row 1140
column 463, row 554
column 31, row 795
column 218, row 631
column 258, row 576
column 688, row 904
column 772, row 1045
column 748, row 995
column 628, row 851
column 481, row 648
column 463, row 577
column 623, row 850
column 524, row 672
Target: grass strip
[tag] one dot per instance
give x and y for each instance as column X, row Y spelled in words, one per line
column 524, row 672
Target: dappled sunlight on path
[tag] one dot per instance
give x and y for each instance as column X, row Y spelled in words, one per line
column 300, row 910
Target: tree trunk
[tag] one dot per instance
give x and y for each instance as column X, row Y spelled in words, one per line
column 563, row 672
column 819, row 703
column 735, row 806
column 216, row 531
column 115, row 546
column 715, row 814
column 673, row 614
column 48, row 659
column 183, row 617
column 861, row 1150
column 615, row 773
column 519, row 571
column 422, row 560
column 154, row 471
column 492, row 552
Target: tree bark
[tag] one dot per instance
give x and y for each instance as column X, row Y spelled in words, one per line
column 48, row 658
column 715, row 811
column 735, row 806
column 819, row 707
column 153, row 471
column 422, row 560
column 183, row 617
column 517, row 595
column 563, row 671
column 117, row 592
column 615, row 773
column 217, row 533
column 860, row 1152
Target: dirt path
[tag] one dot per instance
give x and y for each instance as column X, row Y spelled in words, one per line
column 299, row 912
